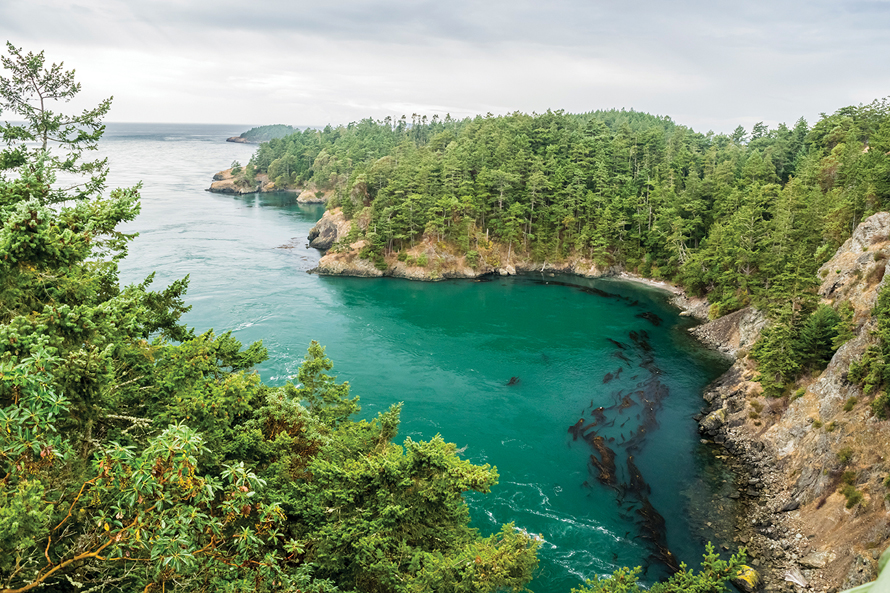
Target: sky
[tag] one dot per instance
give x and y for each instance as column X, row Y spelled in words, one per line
column 710, row 65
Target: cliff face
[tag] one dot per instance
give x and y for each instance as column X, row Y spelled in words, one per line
column 801, row 453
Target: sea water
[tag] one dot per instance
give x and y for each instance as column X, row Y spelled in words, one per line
column 505, row 367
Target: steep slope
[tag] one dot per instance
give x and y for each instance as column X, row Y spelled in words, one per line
column 815, row 499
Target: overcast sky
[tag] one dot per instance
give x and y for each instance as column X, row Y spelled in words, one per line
column 708, row 64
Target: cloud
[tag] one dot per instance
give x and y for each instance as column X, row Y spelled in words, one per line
column 706, row 64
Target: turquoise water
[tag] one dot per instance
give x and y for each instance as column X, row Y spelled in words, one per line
column 449, row 351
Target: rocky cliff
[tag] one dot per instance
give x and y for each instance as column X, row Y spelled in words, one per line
column 800, row 452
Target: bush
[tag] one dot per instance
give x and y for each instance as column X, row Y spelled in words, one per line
column 713, row 576
column 845, row 455
column 472, row 258
column 848, row 405
column 853, row 496
column 422, row 260
column 881, row 406
column 403, row 256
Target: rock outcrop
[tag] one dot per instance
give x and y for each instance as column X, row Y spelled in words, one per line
column 733, row 333
column 311, row 194
column 332, row 226
column 801, row 451
column 225, row 182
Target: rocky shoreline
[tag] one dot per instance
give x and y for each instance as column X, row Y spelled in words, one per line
column 788, row 514
column 794, row 454
column 225, row 182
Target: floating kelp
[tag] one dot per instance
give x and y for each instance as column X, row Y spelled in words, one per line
column 600, row 415
column 652, row 529
column 650, row 317
column 626, row 402
column 617, row 343
column 641, row 339
column 637, row 484
column 626, row 478
column 514, row 381
column 605, row 465
column 576, row 428
column 620, row 356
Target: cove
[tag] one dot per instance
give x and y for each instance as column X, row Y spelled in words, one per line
column 504, row 367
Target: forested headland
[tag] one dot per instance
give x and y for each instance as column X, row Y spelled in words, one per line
column 745, row 218
column 136, row 454
column 263, row 134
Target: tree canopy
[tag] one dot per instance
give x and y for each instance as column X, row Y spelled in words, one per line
column 137, row 454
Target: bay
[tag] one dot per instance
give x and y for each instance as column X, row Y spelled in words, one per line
column 450, row 351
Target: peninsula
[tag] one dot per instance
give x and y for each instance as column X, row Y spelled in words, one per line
column 778, row 236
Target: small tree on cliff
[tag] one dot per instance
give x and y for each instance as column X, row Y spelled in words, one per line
column 28, row 92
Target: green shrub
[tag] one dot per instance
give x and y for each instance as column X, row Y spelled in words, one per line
column 817, row 423
column 403, row 256
column 845, row 455
column 881, row 406
column 713, row 576
column 830, row 426
column 799, row 393
column 422, row 260
column 472, row 258
column 848, row 405
column 853, row 496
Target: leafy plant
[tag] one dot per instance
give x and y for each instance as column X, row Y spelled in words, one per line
column 713, row 576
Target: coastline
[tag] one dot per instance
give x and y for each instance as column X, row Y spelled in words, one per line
column 771, row 446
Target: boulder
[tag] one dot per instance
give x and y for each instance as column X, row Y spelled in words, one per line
column 748, row 579
column 817, row 559
column 713, row 421
column 332, row 226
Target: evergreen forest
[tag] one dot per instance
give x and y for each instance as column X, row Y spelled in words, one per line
column 137, row 454
column 745, row 218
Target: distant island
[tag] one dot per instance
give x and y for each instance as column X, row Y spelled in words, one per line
column 263, row 134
